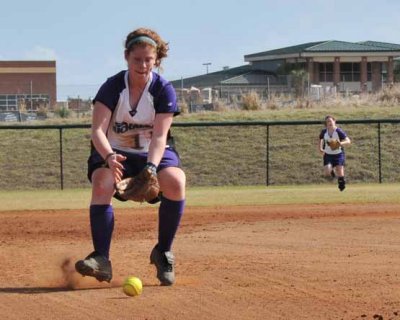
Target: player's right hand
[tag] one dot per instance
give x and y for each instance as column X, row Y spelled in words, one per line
column 115, row 165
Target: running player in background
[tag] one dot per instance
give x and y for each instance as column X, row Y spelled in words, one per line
column 132, row 116
column 333, row 157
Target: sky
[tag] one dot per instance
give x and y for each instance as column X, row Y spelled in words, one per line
column 86, row 37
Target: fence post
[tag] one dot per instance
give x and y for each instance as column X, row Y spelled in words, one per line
column 379, row 153
column 61, row 160
column 267, row 157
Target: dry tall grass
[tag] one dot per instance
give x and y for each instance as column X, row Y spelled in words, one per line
column 388, row 97
column 252, row 101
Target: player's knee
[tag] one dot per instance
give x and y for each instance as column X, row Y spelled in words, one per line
column 177, row 184
column 173, row 185
column 102, row 188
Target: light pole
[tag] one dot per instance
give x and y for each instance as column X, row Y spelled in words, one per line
column 207, row 64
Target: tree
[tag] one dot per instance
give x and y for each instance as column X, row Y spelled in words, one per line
column 299, row 77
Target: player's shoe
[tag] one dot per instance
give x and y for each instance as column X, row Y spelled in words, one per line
column 164, row 262
column 333, row 173
column 95, row 265
column 341, row 183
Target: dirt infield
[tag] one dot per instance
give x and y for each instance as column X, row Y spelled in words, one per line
column 266, row 262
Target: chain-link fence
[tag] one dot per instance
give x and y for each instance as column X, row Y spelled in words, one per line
column 224, row 153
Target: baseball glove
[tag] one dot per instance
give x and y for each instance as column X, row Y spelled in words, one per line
column 334, row 144
column 143, row 187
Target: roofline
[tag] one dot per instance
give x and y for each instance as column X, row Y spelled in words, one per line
column 240, row 75
column 272, row 57
column 26, row 61
column 246, row 73
column 352, row 54
column 393, row 54
column 364, row 49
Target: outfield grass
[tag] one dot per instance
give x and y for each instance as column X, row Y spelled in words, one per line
column 217, row 156
column 215, row 196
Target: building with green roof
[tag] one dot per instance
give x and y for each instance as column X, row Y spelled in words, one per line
column 334, row 66
column 346, row 66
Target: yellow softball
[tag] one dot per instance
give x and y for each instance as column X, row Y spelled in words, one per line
column 132, row 286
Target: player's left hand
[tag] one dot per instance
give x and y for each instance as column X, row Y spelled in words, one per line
column 334, row 144
column 143, row 187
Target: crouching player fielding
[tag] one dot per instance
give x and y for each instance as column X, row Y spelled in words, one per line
column 331, row 142
column 132, row 116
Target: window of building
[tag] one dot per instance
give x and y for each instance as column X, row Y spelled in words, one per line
column 23, row 102
column 326, row 72
column 351, row 71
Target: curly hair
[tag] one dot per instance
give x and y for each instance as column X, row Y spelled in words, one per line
column 161, row 48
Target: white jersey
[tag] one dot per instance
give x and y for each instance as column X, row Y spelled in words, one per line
column 131, row 129
column 338, row 134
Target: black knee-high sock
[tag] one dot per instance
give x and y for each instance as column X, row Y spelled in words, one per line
column 102, row 226
column 169, row 216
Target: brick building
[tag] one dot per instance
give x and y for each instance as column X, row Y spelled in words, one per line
column 27, row 85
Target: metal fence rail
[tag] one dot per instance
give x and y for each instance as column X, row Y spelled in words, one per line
column 241, row 152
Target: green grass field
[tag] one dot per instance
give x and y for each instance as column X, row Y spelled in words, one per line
column 215, row 196
column 217, row 155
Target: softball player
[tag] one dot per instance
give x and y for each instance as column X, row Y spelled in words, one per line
column 333, row 158
column 132, row 116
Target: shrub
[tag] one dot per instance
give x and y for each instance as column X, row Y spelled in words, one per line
column 251, row 101
column 62, row 112
column 220, row 106
column 390, row 93
column 183, row 107
column 42, row 111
